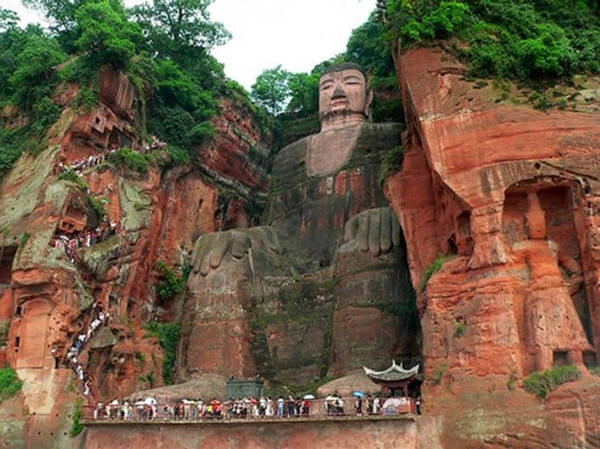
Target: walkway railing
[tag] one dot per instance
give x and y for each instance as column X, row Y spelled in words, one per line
column 237, row 410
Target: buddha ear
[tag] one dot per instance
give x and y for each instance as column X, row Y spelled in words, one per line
column 368, row 102
column 369, row 97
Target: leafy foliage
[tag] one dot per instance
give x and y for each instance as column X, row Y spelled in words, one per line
column 76, row 426
column 24, row 239
column 176, row 27
column 391, row 162
column 107, row 37
column 368, row 46
column 440, row 372
column 542, row 383
column 68, row 174
column 304, row 93
column 162, row 45
column 85, row 100
column 10, row 383
column 519, row 39
column 168, row 334
column 271, row 89
column 60, row 13
column 595, row 370
column 131, row 160
column 8, row 19
column 433, row 268
column 97, row 208
column 31, row 80
column 171, row 284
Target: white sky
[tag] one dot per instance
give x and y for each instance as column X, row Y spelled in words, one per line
column 298, row 34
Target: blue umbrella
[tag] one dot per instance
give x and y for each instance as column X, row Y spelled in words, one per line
column 358, row 394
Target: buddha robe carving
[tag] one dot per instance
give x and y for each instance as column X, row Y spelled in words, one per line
column 324, row 287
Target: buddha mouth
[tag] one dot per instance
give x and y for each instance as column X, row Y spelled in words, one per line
column 339, row 101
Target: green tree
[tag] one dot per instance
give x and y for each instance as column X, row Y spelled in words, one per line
column 8, row 19
column 304, row 93
column 35, row 68
column 368, row 46
column 174, row 26
column 271, row 89
column 106, row 37
column 61, row 13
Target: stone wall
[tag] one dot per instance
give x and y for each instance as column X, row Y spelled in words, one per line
column 351, row 434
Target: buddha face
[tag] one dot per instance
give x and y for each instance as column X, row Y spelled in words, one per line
column 342, row 95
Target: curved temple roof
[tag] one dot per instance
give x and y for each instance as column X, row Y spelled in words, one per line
column 393, row 373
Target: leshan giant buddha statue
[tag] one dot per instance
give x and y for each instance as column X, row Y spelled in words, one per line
column 324, row 287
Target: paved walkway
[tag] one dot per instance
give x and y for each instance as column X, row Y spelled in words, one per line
column 254, row 421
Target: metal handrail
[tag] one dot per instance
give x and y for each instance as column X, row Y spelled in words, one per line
column 237, row 410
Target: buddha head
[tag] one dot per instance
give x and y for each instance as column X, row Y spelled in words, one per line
column 343, row 96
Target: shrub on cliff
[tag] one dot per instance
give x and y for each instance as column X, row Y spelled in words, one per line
column 168, row 335
column 76, row 426
column 433, row 268
column 542, row 383
column 131, row 160
column 10, row 383
column 68, row 174
column 171, row 284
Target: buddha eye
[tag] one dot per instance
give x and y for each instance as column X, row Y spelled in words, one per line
column 326, row 86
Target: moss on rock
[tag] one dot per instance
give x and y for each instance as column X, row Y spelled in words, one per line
column 98, row 258
column 135, row 205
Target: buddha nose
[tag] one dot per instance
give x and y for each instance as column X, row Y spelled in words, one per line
column 338, row 93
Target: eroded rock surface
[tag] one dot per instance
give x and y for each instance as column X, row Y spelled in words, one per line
column 509, row 195
column 49, row 297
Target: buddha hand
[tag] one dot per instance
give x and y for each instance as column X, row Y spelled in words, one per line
column 375, row 230
column 212, row 249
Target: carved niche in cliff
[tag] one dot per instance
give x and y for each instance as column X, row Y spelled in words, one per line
column 544, row 226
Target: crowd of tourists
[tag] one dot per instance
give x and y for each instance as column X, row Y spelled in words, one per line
column 84, row 239
column 78, row 165
column 251, row 408
column 99, row 319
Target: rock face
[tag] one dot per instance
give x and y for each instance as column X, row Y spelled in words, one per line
column 509, row 194
column 49, row 299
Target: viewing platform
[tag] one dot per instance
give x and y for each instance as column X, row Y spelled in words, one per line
column 313, row 431
column 409, row 417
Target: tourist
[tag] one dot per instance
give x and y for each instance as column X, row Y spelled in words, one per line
column 269, row 411
column 99, row 410
column 305, row 407
column 376, row 405
column 290, row 406
column 339, row 405
column 113, row 408
column 359, row 405
column 280, row 403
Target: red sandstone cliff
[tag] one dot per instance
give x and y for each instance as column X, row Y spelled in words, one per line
column 48, row 299
column 510, row 195
column 509, row 192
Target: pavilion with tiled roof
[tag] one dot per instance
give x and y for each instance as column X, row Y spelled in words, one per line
column 396, row 377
